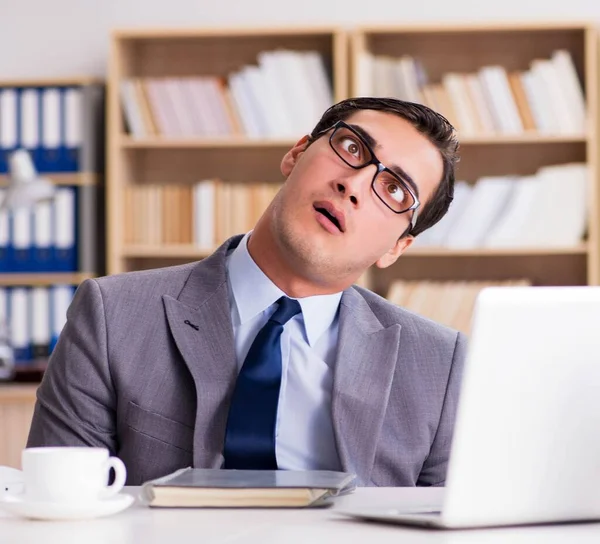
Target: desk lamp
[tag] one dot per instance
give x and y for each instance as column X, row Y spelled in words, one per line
column 25, row 187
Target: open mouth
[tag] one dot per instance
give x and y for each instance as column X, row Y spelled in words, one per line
column 329, row 216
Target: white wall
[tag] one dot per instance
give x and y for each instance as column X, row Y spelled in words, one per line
column 53, row 38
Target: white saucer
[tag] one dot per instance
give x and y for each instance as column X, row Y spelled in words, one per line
column 16, row 504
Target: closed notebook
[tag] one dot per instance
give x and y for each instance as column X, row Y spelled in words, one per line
column 214, row 488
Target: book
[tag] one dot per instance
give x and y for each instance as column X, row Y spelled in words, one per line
column 215, row 488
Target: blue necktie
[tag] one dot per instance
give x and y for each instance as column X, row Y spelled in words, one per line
column 250, row 432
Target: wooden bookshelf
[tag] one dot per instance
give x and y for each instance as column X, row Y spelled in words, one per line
column 160, row 160
column 149, row 161
column 466, row 48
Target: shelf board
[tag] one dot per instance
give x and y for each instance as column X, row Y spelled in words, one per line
column 226, row 142
column 580, row 249
column 77, row 178
column 17, row 392
column 192, row 251
column 242, row 142
column 182, row 251
column 41, row 279
column 525, row 138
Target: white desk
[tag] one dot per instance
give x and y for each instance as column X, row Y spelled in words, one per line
column 140, row 524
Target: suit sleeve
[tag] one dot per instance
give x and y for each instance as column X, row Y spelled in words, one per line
column 76, row 400
column 433, row 472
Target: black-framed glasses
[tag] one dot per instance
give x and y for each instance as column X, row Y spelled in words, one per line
column 389, row 187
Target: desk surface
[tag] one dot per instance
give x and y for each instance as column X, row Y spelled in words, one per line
column 147, row 525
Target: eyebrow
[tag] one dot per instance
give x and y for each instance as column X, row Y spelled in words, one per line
column 373, row 143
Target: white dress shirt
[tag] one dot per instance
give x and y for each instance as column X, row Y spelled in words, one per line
column 304, row 433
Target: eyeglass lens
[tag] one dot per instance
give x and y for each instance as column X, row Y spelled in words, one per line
column 354, row 152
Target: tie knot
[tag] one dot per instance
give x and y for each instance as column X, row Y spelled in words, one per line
column 287, row 309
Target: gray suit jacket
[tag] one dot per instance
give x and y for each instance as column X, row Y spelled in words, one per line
column 131, row 373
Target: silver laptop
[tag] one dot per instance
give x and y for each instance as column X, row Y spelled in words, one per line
column 526, row 446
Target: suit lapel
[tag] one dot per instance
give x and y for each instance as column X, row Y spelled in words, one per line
column 200, row 322
column 363, row 374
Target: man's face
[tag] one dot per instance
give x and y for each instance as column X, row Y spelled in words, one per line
column 318, row 180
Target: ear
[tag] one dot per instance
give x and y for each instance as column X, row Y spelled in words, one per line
column 402, row 244
column 291, row 157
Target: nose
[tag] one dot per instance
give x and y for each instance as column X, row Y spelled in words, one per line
column 353, row 186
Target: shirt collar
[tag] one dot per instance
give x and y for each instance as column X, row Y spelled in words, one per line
column 254, row 292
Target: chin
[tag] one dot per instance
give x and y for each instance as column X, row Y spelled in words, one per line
column 312, row 256
column 302, row 247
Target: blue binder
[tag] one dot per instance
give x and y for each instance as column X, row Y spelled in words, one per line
column 43, row 239
column 19, row 324
column 4, row 236
column 50, row 156
column 65, row 230
column 30, row 123
column 71, row 138
column 21, row 247
column 10, row 113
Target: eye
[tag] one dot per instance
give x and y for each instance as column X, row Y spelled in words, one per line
column 396, row 191
column 349, row 145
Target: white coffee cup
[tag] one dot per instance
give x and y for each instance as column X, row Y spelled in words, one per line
column 70, row 474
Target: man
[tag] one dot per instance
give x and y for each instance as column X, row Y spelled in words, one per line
column 167, row 368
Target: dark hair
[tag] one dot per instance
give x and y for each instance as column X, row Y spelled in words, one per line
column 430, row 123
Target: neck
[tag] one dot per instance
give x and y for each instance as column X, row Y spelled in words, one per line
column 269, row 257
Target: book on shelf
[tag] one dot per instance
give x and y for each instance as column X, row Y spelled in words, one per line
column 203, row 214
column 546, row 210
column 281, row 96
column 449, row 303
column 34, row 317
column 62, row 129
column 44, row 237
column 547, row 98
column 215, row 488
column 60, row 235
column 58, row 124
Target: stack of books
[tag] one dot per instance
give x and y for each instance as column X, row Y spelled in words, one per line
column 547, row 98
column 282, row 96
column 204, row 214
column 546, row 210
column 35, row 317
